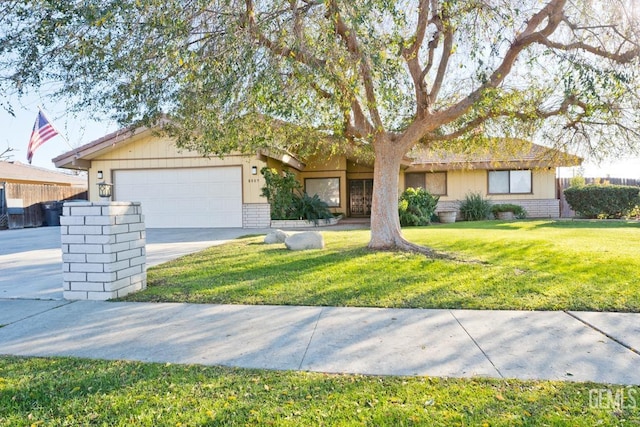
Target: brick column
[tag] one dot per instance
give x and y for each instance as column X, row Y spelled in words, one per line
column 256, row 215
column 103, row 250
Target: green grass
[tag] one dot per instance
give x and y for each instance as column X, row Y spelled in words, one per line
column 73, row 392
column 529, row 265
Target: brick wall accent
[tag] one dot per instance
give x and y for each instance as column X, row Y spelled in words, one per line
column 536, row 208
column 103, row 250
column 256, row 215
column 541, row 208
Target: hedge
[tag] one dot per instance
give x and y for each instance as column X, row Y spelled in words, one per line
column 608, row 201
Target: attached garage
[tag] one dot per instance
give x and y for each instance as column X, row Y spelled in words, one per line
column 177, row 188
column 208, row 197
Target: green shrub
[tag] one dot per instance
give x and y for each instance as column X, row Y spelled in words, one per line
column 518, row 211
column 577, row 181
column 416, row 207
column 603, row 201
column 311, row 208
column 287, row 199
column 474, row 207
column 280, row 191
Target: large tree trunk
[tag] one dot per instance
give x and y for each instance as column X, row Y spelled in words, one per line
column 385, row 222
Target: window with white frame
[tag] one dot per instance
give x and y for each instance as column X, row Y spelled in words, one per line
column 510, row 182
column 328, row 189
column 434, row 182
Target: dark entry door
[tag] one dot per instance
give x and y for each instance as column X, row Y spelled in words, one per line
column 360, row 191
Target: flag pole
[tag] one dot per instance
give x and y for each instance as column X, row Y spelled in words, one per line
column 54, row 128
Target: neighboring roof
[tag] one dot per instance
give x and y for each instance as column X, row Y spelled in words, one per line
column 16, row 171
column 498, row 153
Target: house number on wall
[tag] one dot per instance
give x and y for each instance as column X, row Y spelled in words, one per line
column 254, row 180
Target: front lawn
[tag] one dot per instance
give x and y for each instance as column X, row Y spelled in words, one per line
column 75, row 392
column 529, row 265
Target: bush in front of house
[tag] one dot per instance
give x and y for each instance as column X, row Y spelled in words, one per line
column 416, row 207
column 603, row 201
column 518, row 211
column 474, row 207
column 311, row 208
column 288, row 201
column 280, row 190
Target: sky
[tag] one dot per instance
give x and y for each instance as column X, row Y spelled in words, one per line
column 75, row 129
column 82, row 128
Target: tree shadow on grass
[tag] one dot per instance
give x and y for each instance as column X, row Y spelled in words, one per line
column 274, row 275
column 515, row 274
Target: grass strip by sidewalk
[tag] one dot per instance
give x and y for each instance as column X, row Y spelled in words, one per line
column 524, row 265
column 71, row 392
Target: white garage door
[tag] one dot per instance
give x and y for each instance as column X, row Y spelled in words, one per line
column 188, row 197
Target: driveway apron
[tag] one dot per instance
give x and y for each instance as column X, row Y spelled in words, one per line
column 31, row 258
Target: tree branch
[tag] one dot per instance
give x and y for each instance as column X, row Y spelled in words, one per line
column 622, row 58
column 300, row 55
column 444, row 61
column 350, row 40
column 537, row 113
column 411, row 56
column 553, row 14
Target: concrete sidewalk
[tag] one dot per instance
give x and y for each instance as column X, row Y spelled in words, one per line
column 576, row 346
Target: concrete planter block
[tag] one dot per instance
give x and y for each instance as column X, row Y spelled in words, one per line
column 303, row 223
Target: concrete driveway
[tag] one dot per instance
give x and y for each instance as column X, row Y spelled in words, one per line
column 31, row 258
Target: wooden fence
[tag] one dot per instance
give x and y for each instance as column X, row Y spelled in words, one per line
column 564, row 183
column 32, row 196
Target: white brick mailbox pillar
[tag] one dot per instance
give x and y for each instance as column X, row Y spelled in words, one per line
column 103, row 250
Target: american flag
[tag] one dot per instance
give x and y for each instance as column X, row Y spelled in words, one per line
column 42, row 132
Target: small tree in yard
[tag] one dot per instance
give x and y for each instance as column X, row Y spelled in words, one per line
column 380, row 77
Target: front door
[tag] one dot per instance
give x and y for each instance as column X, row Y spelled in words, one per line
column 360, row 191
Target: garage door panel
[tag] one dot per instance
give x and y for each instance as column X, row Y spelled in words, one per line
column 188, row 197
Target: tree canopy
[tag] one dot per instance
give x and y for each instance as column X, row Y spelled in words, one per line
column 373, row 75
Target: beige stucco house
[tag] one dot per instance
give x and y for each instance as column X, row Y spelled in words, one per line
column 184, row 189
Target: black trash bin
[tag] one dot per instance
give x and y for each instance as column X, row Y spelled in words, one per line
column 52, row 211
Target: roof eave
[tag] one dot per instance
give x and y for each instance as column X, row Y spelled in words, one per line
column 286, row 158
column 493, row 165
column 80, row 158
